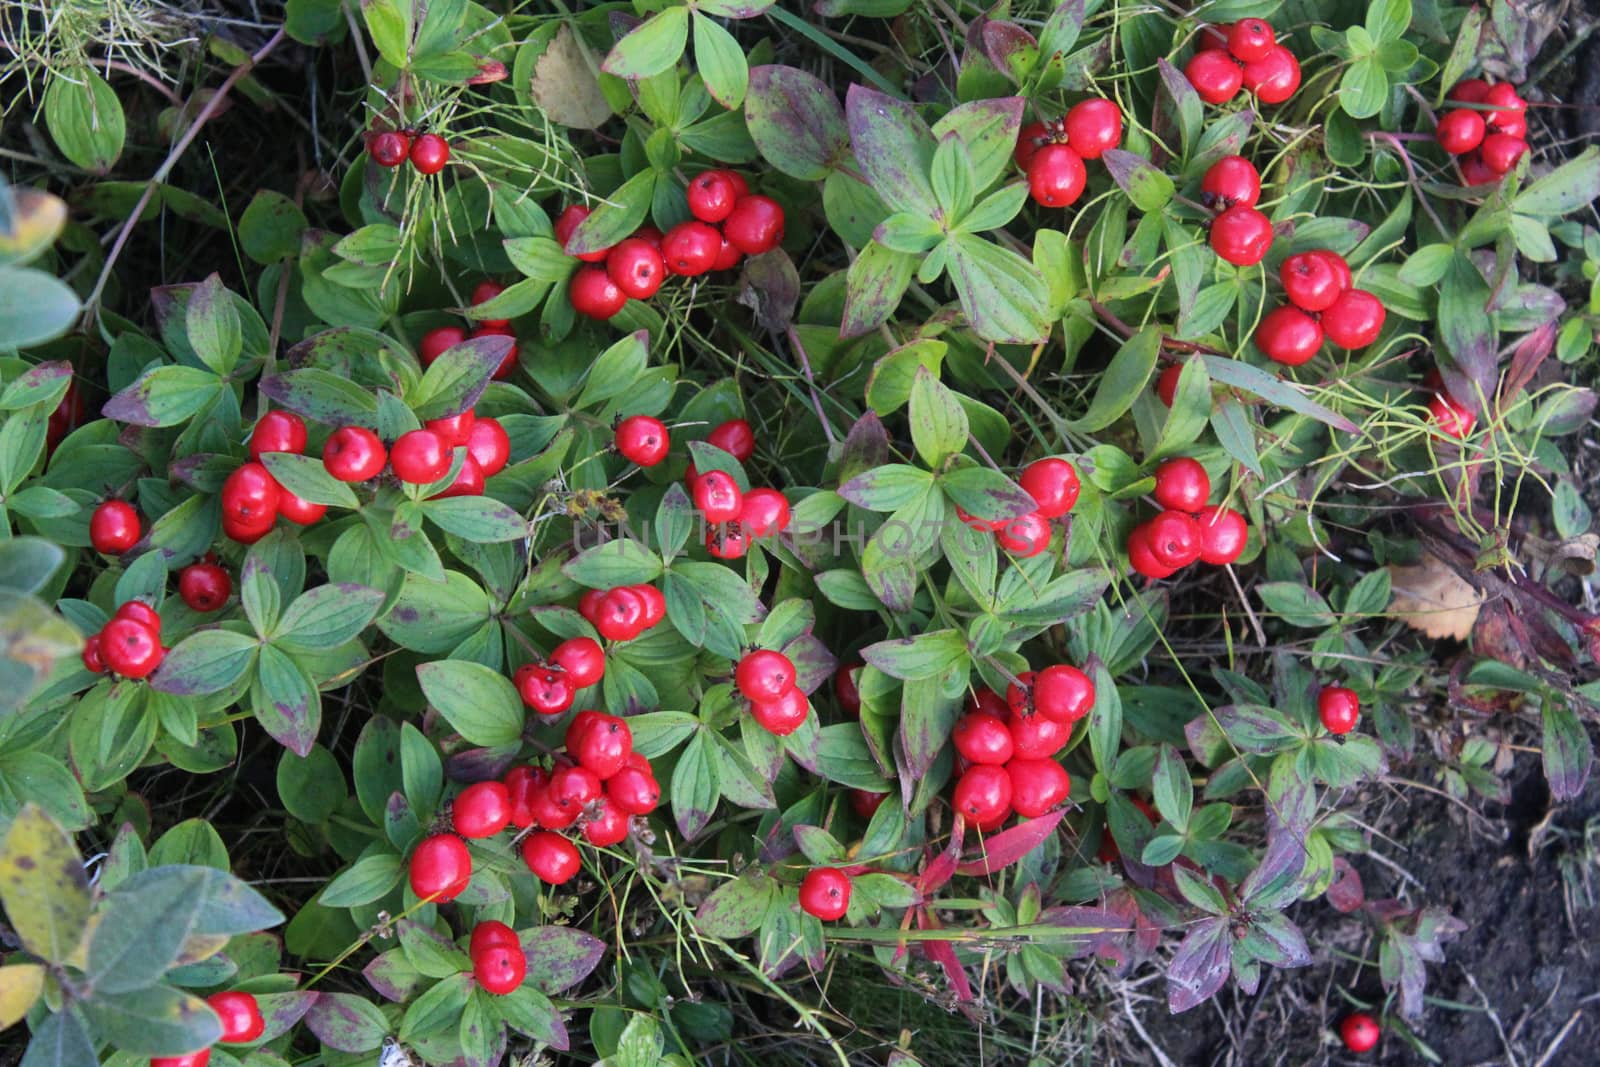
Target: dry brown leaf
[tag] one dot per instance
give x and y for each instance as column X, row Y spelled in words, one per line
column 1434, row 599
column 565, row 85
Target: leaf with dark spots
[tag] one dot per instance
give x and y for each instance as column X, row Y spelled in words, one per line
column 894, row 147
column 170, row 302
column 282, row 1011
column 1099, row 932
column 478, row 764
column 814, row 664
column 322, row 396
column 560, row 957
column 866, row 446
column 1001, row 850
column 770, row 286
column 36, row 385
column 1200, row 965
column 1010, row 47
column 392, row 976
column 736, row 908
column 346, row 1023
column 796, row 122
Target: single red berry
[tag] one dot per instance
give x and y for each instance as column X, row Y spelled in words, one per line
column 735, row 437
column 139, row 612
column 1056, row 176
column 825, row 893
column 717, row 496
column 1141, row 558
column 114, row 527
column 453, row 430
column 1474, row 171
column 690, row 248
column 642, row 439
column 1182, row 484
column 354, row 454
column 1031, row 138
column 865, row 803
column 620, row 615
column 1062, row 692
column 552, row 858
column 1450, row 415
column 489, row 445
column 437, row 342
column 1289, row 336
column 1213, row 38
column 1038, row 786
column 602, row 745
column 92, row 661
column 1037, row 736
column 582, row 658
column 728, row 256
column 782, row 716
column 755, row 225
column 727, row 540
column 986, row 525
column 712, row 195
column 1359, row 1032
column 566, row 224
column 845, row 690
column 246, row 532
column 1460, row 131
column 1311, row 282
column 606, row 824
column 251, row 497
column 1354, row 320
column 1338, row 708
column 1093, row 126
column 1215, row 75
column 241, row 1017
column 549, row 814
column 204, row 586
column 1501, row 151
column 982, row 738
column 655, row 603
column 1167, row 384
column 573, row 788
column 547, row 690
column 389, row 148
column 636, row 268
column 482, row 809
column 987, row 700
column 1231, row 180
column 593, row 294
column 1250, row 40
column 1019, row 695
column 492, row 934
column 1337, row 263
column 1469, row 91
column 983, row 795
column 1274, row 77
column 1241, row 235
column 440, row 868
column 192, row 1059
column 633, row 791
column 420, row 457
column 1024, row 536
column 1222, row 534
column 1509, row 109
column 764, row 674
column 1053, row 484
column 1510, row 123
column 764, row 513
column 278, row 431
column 429, row 153
column 1174, row 539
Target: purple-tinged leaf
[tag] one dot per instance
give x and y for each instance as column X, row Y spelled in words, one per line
column 1146, row 185
column 944, row 954
column 943, row 867
column 796, row 122
column 393, row 976
column 347, row 1023
column 1010, row 47
column 1001, row 850
column 1255, row 729
column 1273, row 939
column 281, row 1011
column 1568, row 752
column 1097, row 932
column 36, row 385
column 769, row 285
column 1526, row 359
column 322, row 396
column 866, row 446
column 874, row 285
column 813, row 663
column 1200, row 965
column 736, row 908
column 559, row 957
column 895, row 149
column 695, row 787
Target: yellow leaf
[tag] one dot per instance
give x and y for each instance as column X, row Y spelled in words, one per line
column 1433, row 598
column 20, row 984
column 34, row 222
column 43, row 886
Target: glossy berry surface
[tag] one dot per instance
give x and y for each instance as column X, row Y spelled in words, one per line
column 192, row 1059
column 1312, row 282
column 240, row 1015
column 1274, row 77
column 642, row 439
column 1038, row 786
column 437, row 342
column 1056, row 176
column 1182, row 484
column 1231, row 180
column 1241, row 235
column 735, row 437
column 389, row 148
column 1359, row 1032
column 1215, row 75
column 825, row 893
column 755, row 225
column 1223, row 533
column 764, row 674
column 764, row 513
column 982, row 738
column 582, row 658
column 717, row 496
column 606, row 824
column 1460, row 131
column 278, row 431
column 635, row 266
column 1053, row 484
column 1354, row 320
column 489, row 446
column 1093, row 126
column 1501, row 151
column 594, row 295
column 1037, row 736
column 205, row 587
column 545, row 690
column 711, row 195
column 354, row 454
column 130, row 648
column 566, row 225
column 420, row 457
column 551, row 857
column 619, row 615
column 429, row 153
column 440, row 868
column 482, row 809
column 633, row 791
column 114, row 527
column 1452, row 418
column 1142, row 559
column 1250, row 40
column 500, row 968
column 602, row 745
column 1174, row 539
column 1025, row 536
column 1167, row 384
column 1338, row 708
column 690, row 248
column 983, row 795
column 1062, row 692
column 845, row 689
column 783, row 716
column 488, row 934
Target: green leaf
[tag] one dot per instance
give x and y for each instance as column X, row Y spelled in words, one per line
column 270, row 228
column 874, row 285
column 310, row 787
column 157, row 1021
column 454, row 381
column 1363, row 88
column 953, row 180
column 651, row 47
column 1001, row 294
column 796, row 122
column 324, row 397
column 1568, row 752
column 85, row 118
column 620, row 562
column 164, row 396
column 1296, row 604
column 1171, row 788
column 389, row 23
column 480, row 519
column 894, row 148
column 695, row 787
column 205, row 662
column 60, row 1040
column 938, row 423
column 326, row 617
column 616, row 370
column 43, row 886
column 926, row 655
column 479, row 703
column 1388, row 19
column 1463, row 52
column 618, row 215
column 308, row 479
column 258, row 591
column 364, row 881
column 1146, row 185
column 1274, row 390
column 285, row 701
column 721, row 63
column 142, row 929
column 1123, row 381
column 1564, row 190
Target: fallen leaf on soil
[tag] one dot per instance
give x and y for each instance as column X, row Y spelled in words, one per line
column 565, row 85
column 1434, row 599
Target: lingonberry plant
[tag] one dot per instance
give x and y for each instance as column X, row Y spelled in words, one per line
column 649, row 523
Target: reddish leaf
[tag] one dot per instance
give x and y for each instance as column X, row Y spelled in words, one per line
column 1345, row 892
column 942, row 869
column 944, row 954
column 1525, row 360
column 1200, row 965
column 1009, row 846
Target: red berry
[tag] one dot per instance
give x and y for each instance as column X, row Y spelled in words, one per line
column 727, row 541
column 711, row 195
column 782, row 716
column 1289, row 336
column 240, row 1015
column 549, row 814
column 1038, row 786
column 1031, row 138
column 522, row 784
column 1241, row 235
column 764, row 674
column 251, row 497
column 1337, row 263
column 246, row 533
column 467, row 482
column 1167, row 384
column 1450, row 415
column 1213, row 38
column 1093, row 126
column 552, row 858
column 1174, row 539
column 192, row 1059
column 484, row 292
column 298, row 511
column 602, row 745
column 1222, row 534
column 1354, row 320
column 1274, row 77
column 204, row 586
column 1474, row 171
column 1338, row 708
column 453, row 430
column 1053, row 484
column 1231, row 180
column 482, row 809
column 429, row 153
column 987, row 700
column 619, row 615
column 354, row 454
column 441, row 867
column 844, row 687
column 420, row 457
column 500, row 968
column 92, row 661
column 1359, row 1032
column 864, row 803
column 1037, row 736
column 606, row 824
column 1063, row 692
column 1141, row 558
column 1469, row 91
column 633, row 791
column 572, row 788
column 548, row 691
column 1501, row 151
column 735, row 437
column 582, row 658
column 114, row 527
column 492, row 934
column 139, row 612
column 755, row 225
column 717, row 496
column 1312, row 282
column 1182, row 484
column 728, row 256
column 594, row 294
column 389, row 148
column 278, row 431
column 1460, row 131
column 489, row 446
column 642, row 439
column 1510, row 123
column 566, row 224
column 982, row 738
column 764, row 513
column 1250, row 40
column 1215, row 75
column 635, row 267
column 1025, row 536
column 825, row 893
column 437, row 342
column 1509, row 108
column 690, row 248
column 1056, row 176
column 983, row 795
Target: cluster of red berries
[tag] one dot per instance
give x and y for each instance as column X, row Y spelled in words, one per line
column 1187, row 529
column 1006, row 747
column 1240, row 233
column 1248, row 55
column 1450, row 415
column 598, row 784
column 242, row 1023
column 428, row 152
column 438, row 341
column 1053, row 485
column 1323, row 304
column 1490, row 141
column 766, row 678
column 498, row 962
column 729, row 223
column 549, row 688
column 1052, row 153
column 128, row 646
column 1338, row 708
column 623, row 613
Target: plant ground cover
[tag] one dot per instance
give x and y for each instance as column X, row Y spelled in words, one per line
column 588, row 355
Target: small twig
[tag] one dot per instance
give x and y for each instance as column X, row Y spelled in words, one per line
column 811, row 383
column 1494, row 1017
column 1161, row 1057
column 1411, row 173
column 1255, row 623
column 1549, row 1053
column 149, row 79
